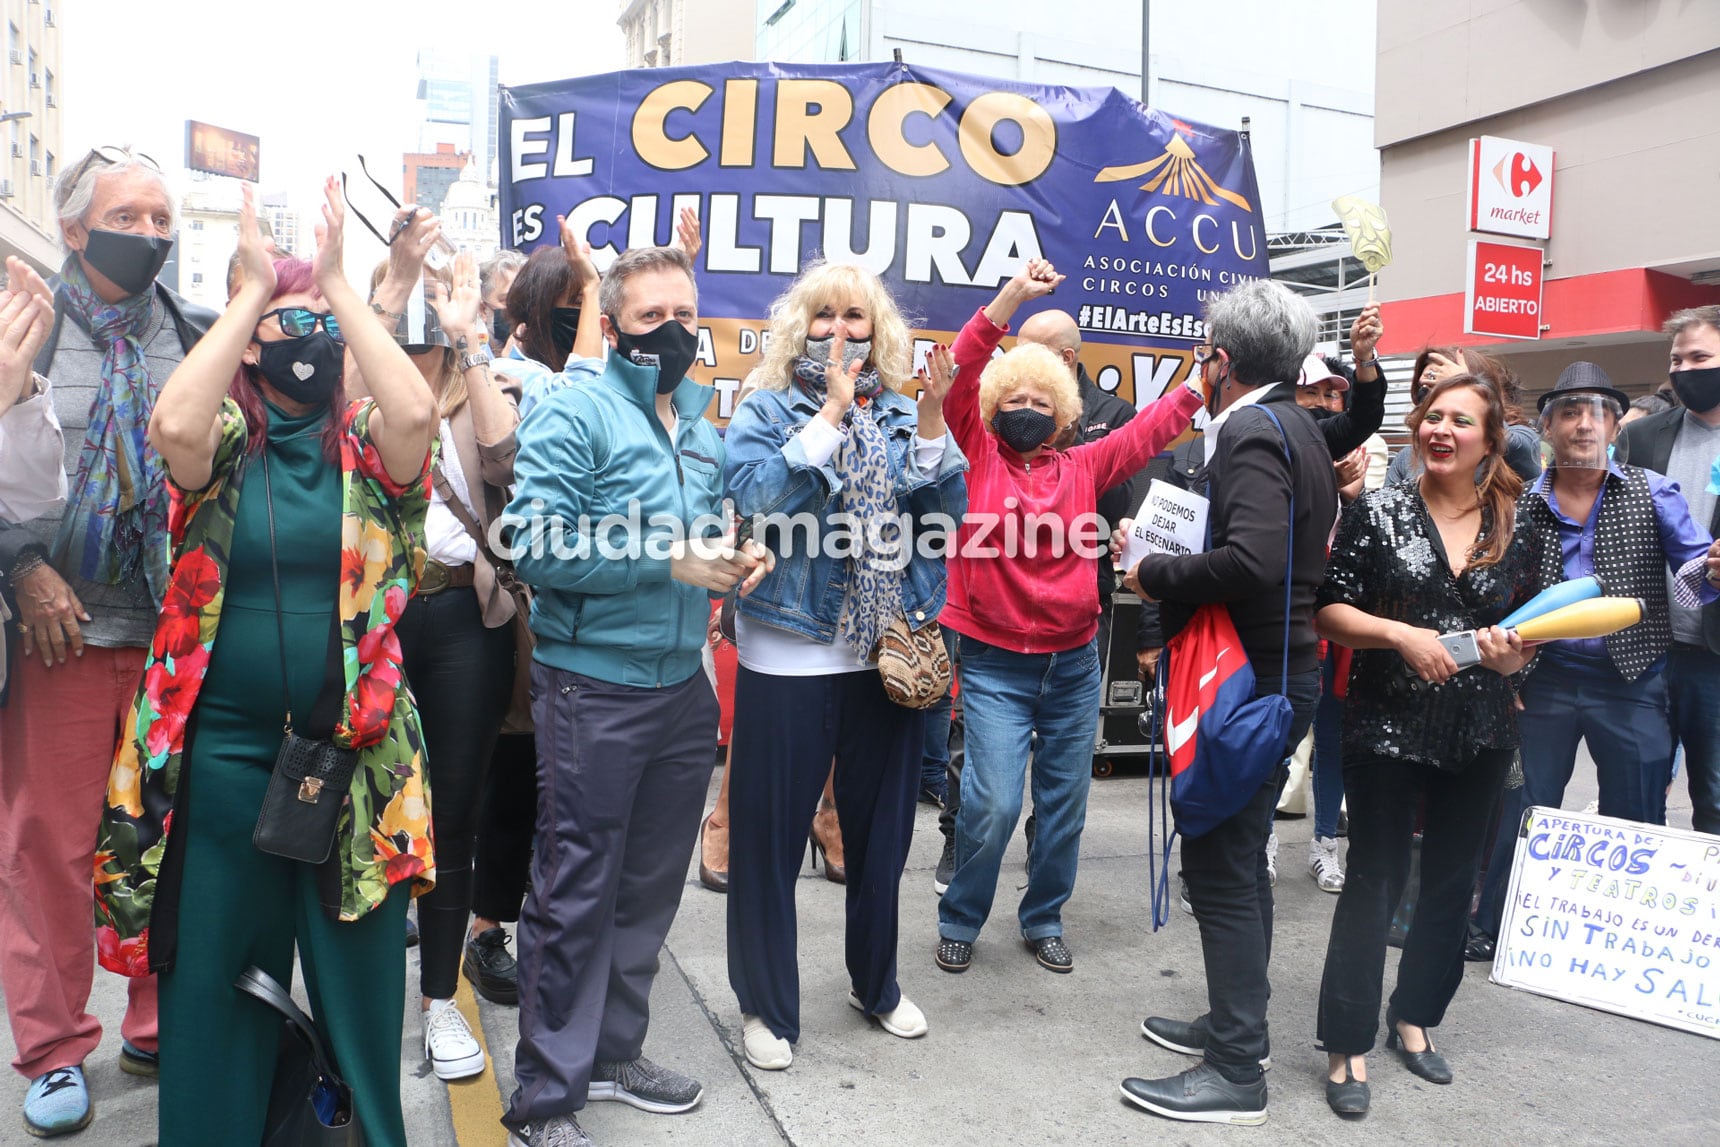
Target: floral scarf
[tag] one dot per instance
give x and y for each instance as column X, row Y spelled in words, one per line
column 115, row 525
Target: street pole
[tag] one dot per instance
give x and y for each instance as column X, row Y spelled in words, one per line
column 1146, row 60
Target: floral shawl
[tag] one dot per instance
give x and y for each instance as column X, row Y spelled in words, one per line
column 384, row 831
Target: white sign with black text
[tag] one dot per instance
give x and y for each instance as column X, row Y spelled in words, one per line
column 1171, row 520
column 1615, row 915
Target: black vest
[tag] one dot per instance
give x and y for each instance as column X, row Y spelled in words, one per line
column 1629, row 561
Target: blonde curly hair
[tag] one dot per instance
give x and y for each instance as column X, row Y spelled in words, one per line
column 832, row 284
column 1030, row 364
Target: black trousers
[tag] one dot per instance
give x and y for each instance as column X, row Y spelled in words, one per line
column 462, row 675
column 507, row 816
column 786, row 731
column 1225, row 871
column 1383, row 793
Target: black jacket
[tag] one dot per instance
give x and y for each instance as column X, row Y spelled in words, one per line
column 1647, row 442
column 1102, row 413
column 1345, row 430
column 1249, row 485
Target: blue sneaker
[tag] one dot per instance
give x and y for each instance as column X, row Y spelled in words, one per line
column 57, row 1103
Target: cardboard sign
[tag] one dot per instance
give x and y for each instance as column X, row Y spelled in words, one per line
column 1615, row 915
column 1510, row 187
column 1171, row 520
column 1502, row 295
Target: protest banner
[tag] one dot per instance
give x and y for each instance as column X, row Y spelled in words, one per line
column 942, row 183
column 1615, row 915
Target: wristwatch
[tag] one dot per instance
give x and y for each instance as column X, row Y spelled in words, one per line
column 479, row 357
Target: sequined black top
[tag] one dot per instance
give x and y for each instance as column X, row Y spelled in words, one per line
column 1389, row 561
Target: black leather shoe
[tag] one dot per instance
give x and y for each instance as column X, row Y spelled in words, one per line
column 1053, row 954
column 1479, row 946
column 1187, row 1038
column 954, row 955
column 1349, row 1098
column 490, row 968
column 1429, row 1064
column 1200, row 1095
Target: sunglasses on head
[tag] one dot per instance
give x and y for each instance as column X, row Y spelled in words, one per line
column 111, row 156
column 296, row 322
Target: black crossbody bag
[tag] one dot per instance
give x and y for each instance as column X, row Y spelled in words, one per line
column 309, row 784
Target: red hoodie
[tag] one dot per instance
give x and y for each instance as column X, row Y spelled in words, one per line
column 1046, row 603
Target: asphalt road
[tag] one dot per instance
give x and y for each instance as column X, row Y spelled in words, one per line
column 1018, row 1055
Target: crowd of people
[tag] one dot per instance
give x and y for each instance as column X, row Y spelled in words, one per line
column 485, row 699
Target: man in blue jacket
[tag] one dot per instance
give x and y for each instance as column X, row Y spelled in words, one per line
column 617, row 523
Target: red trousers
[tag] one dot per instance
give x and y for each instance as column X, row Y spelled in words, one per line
column 57, row 738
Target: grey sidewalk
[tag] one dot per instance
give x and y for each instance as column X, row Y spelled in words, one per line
column 1019, row 1055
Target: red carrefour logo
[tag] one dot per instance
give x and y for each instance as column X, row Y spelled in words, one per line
column 1522, row 177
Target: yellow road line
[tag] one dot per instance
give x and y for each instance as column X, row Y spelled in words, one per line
column 476, row 1103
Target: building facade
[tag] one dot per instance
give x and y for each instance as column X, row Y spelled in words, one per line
column 429, row 175
column 1624, row 95
column 469, row 215
column 664, row 33
column 459, row 105
column 30, row 99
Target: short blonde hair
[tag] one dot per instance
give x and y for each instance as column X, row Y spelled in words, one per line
column 1030, row 364
column 835, row 284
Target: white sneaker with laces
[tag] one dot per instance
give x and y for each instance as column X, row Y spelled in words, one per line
column 1324, row 865
column 1272, row 858
column 449, row 1045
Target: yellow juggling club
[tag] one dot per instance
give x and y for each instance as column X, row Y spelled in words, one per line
column 1595, row 617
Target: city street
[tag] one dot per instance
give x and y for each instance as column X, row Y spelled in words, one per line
column 1018, row 1055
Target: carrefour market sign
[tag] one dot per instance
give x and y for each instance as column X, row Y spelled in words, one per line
column 941, row 183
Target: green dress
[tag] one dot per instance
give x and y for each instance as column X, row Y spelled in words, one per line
column 239, row 906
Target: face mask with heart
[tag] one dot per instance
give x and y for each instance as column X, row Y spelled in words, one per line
column 306, row 369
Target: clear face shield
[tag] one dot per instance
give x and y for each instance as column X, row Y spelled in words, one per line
column 1580, row 429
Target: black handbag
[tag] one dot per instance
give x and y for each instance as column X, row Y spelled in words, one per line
column 308, row 787
column 309, row 1104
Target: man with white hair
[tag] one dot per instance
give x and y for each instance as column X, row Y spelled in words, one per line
column 87, row 578
column 1268, row 468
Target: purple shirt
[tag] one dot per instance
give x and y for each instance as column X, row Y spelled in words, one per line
column 1681, row 539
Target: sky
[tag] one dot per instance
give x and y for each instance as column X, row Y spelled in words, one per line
column 318, row 81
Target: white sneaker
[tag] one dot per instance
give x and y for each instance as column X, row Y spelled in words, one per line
column 1324, row 865
column 764, row 1048
column 449, row 1045
column 1272, row 858
column 905, row 1019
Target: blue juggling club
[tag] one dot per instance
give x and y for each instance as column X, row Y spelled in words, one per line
column 1554, row 597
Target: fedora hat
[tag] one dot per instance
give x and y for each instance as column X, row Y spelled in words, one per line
column 1584, row 378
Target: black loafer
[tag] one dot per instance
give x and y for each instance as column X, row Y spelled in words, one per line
column 1349, row 1098
column 1053, row 954
column 954, row 955
column 1429, row 1064
column 1479, row 946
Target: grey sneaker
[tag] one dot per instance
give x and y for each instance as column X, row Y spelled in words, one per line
column 1200, row 1095
column 562, row 1131
column 946, row 866
column 645, row 1085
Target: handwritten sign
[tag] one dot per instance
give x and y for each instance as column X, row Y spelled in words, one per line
column 1170, row 521
column 1615, row 915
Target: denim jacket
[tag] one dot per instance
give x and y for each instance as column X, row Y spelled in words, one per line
column 767, row 473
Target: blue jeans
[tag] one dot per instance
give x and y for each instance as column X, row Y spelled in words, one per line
column 1328, row 752
column 1629, row 732
column 1007, row 698
column 1693, row 680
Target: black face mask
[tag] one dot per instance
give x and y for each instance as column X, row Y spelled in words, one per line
column 668, row 346
column 564, row 330
column 500, row 331
column 1023, row 428
column 306, row 369
column 1698, row 390
column 130, row 262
